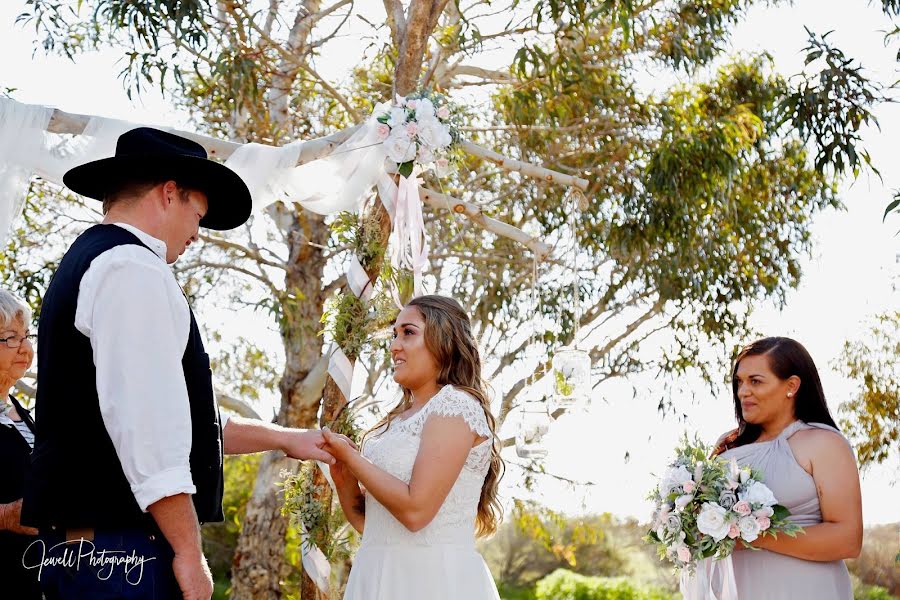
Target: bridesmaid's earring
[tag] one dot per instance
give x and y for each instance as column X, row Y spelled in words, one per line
column 790, row 394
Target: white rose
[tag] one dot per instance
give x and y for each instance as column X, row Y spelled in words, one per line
column 424, row 109
column 682, row 501
column 398, row 117
column 765, row 511
column 425, row 156
column 759, row 493
column 446, row 138
column 712, row 521
column 399, row 147
column 749, row 528
column 674, row 477
column 745, row 475
column 433, row 133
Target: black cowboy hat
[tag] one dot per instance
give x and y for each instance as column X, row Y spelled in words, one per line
column 147, row 154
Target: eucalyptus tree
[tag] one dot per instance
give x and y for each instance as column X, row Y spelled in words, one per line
column 698, row 205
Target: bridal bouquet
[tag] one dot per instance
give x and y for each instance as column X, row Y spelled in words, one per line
column 417, row 129
column 704, row 506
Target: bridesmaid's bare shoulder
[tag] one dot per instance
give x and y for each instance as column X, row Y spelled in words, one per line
column 811, row 445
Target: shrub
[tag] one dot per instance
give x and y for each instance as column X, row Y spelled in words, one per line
column 871, row 592
column 565, row 585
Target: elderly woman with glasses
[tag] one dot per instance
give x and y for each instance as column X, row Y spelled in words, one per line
column 16, row 443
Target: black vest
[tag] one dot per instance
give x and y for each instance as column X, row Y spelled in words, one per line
column 76, row 479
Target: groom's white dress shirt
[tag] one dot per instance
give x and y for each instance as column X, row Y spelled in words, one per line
column 138, row 320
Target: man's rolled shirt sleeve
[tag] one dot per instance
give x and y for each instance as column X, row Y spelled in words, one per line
column 138, row 321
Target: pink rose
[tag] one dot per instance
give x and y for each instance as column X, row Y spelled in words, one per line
column 443, row 113
column 764, row 523
column 734, row 531
column 411, row 104
column 742, row 508
column 412, row 129
column 383, row 132
column 684, row 553
column 689, row 486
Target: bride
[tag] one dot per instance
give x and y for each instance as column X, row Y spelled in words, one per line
column 426, row 481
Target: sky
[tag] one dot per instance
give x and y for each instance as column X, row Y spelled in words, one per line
column 853, row 274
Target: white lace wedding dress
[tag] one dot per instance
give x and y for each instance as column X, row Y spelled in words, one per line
column 438, row 562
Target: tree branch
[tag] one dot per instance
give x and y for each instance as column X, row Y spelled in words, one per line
column 236, row 405
column 396, row 20
column 247, row 252
column 518, row 166
column 442, row 201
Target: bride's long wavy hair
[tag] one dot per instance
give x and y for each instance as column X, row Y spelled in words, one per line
column 448, row 337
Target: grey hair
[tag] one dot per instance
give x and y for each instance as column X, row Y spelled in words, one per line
column 12, row 307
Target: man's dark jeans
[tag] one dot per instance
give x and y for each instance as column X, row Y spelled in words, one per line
column 114, row 565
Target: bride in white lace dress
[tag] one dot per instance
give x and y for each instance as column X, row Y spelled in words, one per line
column 430, row 469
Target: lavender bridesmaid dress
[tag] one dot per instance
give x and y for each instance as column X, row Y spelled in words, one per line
column 771, row 576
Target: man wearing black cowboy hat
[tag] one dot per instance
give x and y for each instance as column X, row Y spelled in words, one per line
column 128, row 451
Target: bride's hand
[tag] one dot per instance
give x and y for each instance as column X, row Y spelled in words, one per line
column 339, row 446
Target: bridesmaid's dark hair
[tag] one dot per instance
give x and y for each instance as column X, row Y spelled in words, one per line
column 787, row 358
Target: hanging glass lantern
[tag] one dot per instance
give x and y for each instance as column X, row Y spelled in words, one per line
column 571, row 378
column 533, row 426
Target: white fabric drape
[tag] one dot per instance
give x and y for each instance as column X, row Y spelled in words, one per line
column 21, row 131
column 28, row 149
column 325, row 186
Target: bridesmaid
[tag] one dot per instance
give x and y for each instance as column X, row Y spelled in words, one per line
column 786, row 431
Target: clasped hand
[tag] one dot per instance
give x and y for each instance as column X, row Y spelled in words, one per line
column 342, row 449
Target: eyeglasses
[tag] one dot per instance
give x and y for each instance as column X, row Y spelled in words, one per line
column 15, row 341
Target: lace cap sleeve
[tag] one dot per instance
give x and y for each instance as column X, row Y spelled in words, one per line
column 451, row 402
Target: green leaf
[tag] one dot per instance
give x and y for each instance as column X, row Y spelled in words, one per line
column 891, row 207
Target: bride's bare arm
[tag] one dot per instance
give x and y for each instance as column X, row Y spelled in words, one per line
column 445, row 445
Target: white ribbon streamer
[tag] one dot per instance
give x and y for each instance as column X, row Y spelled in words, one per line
column 712, row 580
column 314, row 562
column 341, row 370
column 410, row 249
column 358, row 280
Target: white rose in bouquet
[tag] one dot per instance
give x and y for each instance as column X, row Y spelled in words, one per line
column 434, row 134
column 759, row 493
column 399, row 147
column 397, row 117
column 424, row 109
column 446, row 139
column 712, row 521
column 765, row 511
column 674, row 477
column 682, row 501
column 426, row 156
column 749, row 527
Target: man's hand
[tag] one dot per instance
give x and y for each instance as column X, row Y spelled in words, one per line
column 193, row 576
column 10, row 516
column 306, row 445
